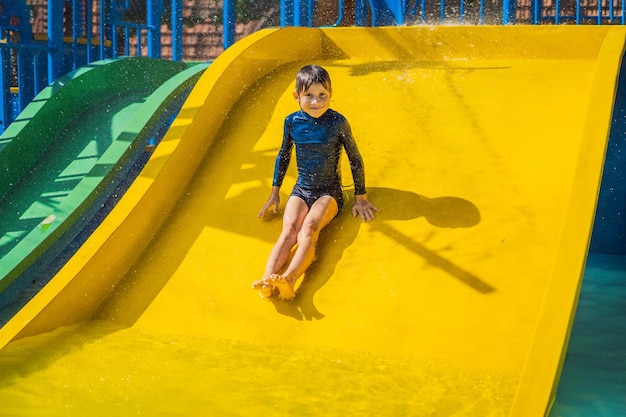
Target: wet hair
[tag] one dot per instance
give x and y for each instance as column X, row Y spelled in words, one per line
column 312, row 74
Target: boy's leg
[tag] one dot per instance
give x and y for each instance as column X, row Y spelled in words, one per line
column 295, row 213
column 318, row 217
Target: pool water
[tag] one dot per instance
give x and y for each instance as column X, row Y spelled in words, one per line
column 593, row 382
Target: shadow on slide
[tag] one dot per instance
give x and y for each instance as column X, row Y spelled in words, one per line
column 442, row 212
column 483, row 147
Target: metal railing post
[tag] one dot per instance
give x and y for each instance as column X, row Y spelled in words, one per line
column 105, row 27
column 25, row 76
column 360, row 13
column 286, row 12
column 5, row 88
column 508, row 11
column 154, row 10
column 177, row 30
column 55, row 39
column 296, row 12
column 230, row 14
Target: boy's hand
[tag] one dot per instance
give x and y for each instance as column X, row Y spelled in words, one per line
column 363, row 208
column 273, row 200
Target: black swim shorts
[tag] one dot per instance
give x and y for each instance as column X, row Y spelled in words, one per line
column 311, row 196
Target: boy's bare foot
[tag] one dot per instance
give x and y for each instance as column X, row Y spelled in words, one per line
column 284, row 285
column 265, row 288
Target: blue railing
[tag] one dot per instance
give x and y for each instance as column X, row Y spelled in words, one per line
column 32, row 59
column 78, row 32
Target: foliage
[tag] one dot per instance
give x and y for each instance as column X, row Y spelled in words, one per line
column 246, row 11
column 250, row 10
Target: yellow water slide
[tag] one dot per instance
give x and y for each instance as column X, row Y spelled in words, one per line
column 483, row 146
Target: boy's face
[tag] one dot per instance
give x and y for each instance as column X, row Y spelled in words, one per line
column 315, row 100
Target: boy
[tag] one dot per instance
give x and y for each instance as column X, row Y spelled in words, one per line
column 319, row 134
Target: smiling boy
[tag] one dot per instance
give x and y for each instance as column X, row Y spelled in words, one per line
column 319, row 134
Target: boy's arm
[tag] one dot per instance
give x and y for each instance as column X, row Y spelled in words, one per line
column 284, row 156
column 273, row 200
column 280, row 169
column 362, row 206
column 356, row 161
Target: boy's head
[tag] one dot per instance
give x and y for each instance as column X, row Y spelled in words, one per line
column 313, row 90
column 312, row 74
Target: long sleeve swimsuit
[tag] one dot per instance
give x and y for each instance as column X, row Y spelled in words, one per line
column 318, row 143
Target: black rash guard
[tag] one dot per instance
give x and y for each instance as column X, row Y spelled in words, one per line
column 318, row 144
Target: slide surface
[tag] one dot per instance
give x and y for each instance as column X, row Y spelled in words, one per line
column 483, row 146
column 66, row 153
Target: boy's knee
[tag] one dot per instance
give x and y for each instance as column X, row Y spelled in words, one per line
column 308, row 231
column 290, row 232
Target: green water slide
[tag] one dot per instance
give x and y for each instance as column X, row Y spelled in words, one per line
column 67, row 154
